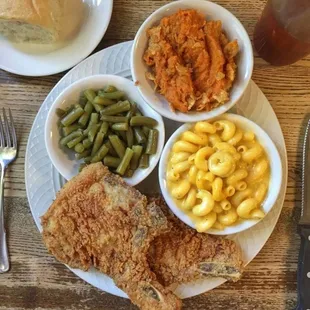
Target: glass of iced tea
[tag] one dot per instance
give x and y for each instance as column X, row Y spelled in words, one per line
column 282, row 35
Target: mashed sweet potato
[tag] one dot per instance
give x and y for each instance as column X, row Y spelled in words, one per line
column 192, row 62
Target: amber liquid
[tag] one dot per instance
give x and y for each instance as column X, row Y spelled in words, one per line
column 276, row 44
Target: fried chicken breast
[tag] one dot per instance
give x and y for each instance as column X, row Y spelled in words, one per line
column 97, row 219
column 182, row 255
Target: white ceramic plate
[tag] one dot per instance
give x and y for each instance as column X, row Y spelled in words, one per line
column 275, row 173
column 43, row 181
column 40, row 60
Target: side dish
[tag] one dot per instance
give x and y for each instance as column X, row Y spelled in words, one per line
column 105, row 126
column 98, row 220
column 192, row 62
column 218, row 174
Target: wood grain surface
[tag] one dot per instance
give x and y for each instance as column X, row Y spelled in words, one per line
column 38, row 281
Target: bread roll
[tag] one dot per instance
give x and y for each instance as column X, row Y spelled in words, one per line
column 40, row 21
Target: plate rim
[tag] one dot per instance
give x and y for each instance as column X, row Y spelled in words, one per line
column 79, row 59
column 284, row 182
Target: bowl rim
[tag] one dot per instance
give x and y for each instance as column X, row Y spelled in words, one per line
column 275, row 165
column 194, row 116
column 133, row 181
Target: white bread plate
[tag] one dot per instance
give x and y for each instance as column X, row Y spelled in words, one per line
column 41, row 59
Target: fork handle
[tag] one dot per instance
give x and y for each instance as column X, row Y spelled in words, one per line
column 4, row 254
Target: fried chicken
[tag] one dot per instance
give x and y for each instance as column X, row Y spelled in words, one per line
column 182, row 255
column 97, row 219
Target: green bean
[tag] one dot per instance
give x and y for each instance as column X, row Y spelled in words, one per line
column 104, row 128
column 98, row 107
column 139, row 135
column 142, row 121
column 120, row 127
column 103, row 101
column 87, row 144
column 112, row 152
column 114, row 119
column 69, row 109
column 137, row 151
column 146, row 130
column 144, row 161
column 83, row 100
column 122, row 135
column 110, row 89
column 112, row 162
column 83, row 120
column 79, row 148
column 129, row 137
column 74, row 142
column 98, row 143
column 67, row 130
column 90, row 94
column 117, row 95
column 86, row 115
column 87, row 159
column 59, row 124
column 117, row 145
column 129, row 173
column 152, row 141
column 116, row 108
column 83, row 154
column 94, row 118
column 71, row 136
column 93, row 131
column 122, row 167
column 72, row 117
column 60, row 112
column 89, row 107
column 132, row 110
column 103, row 151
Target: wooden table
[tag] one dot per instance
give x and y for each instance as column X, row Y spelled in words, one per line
column 38, row 281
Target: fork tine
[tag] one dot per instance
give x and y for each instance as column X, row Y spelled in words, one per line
column 6, row 129
column 13, row 130
column 1, row 133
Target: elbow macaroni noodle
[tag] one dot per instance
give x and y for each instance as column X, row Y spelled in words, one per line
column 218, row 174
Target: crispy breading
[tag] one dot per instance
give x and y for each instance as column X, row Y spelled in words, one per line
column 97, row 219
column 182, row 255
column 189, row 58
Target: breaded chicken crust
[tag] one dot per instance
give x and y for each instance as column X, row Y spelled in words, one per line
column 182, row 254
column 97, row 219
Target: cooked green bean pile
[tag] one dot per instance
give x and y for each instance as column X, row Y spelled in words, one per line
column 106, row 126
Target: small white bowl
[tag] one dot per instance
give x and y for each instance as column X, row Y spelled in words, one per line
column 233, row 29
column 275, row 173
column 63, row 159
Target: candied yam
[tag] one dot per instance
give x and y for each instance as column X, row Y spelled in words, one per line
column 231, row 49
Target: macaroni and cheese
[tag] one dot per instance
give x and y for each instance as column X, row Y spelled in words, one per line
column 218, row 174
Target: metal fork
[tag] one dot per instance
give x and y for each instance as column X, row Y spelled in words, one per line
column 8, row 151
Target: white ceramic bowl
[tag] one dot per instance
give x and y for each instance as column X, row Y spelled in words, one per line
column 275, row 173
column 63, row 159
column 233, row 29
